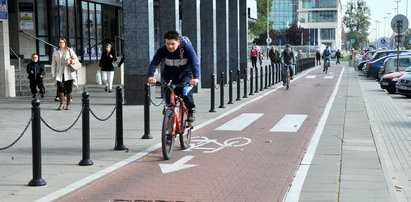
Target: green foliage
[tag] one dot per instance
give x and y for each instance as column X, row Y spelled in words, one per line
column 260, row 26
column 357, row 22
column 407, row 44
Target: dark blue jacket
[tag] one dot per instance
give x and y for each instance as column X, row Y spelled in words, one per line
column 178, row 65
column 37, row 69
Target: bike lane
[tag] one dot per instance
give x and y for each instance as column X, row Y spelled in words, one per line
column 251, row 154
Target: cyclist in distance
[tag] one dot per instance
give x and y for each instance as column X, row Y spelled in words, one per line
column 327, row 57
column 288, row 60
column 181, row 65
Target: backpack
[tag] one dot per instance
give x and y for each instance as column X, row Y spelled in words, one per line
column 184, row 40
column 327, row 52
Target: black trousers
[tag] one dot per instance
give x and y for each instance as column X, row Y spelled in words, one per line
column 253, row 61
column 37, row 83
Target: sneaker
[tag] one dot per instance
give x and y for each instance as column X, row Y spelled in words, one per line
column 283, row 84
column 34, row 96
column 42, row 95
column 191, row 115
column 291, row 78
column 105, row 89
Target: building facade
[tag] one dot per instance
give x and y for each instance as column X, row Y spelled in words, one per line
column 283, row 14
column 323, row 18
column 135, row 28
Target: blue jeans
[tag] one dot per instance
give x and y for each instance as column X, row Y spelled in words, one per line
column 284, row 71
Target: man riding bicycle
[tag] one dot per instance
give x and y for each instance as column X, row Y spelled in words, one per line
column 181, row 65
column 327, row 57
column 288, row 59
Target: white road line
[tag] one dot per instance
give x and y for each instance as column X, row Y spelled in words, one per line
column 295, row 189
column 240, row 122
column 328, row 77
column 310, row 77
column 289, row 123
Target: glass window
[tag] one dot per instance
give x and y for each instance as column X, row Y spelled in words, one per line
column 85, row 28
column 99, row 32
column 405, row 62
column 63, row 18
column 327, row 34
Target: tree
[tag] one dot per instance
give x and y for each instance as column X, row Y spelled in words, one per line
column 406, row 43
column 357, row 22
column 291, row 36
column 260, row 26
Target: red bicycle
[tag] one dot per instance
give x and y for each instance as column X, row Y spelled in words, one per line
column 174, row 122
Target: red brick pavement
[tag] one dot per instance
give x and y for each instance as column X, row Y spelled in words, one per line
column 259, row 171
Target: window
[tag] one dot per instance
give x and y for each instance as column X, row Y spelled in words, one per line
column 327, row 34
column 405, row 62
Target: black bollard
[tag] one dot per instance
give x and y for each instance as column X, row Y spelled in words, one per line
column 147, row 134
column 119, row 120
column 36, row 144
column 212, row 93
column 245, row 82
column 269, row 75
column 86, row 161
column 256, row 80
column 266, row 77
column 273, row 70
column 230, row 88
column 222, row 91
column 251, row 81
column 261, row 78
column 238, row 85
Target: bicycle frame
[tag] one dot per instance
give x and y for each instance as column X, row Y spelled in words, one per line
column 177, row 120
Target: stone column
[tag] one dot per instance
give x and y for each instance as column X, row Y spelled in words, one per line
column 190, row 27
column 243, row 33
column 222, row 38
column 138, row 47
column 208, row 41
column 7, row 77
column 169, row 16
column 234, row 32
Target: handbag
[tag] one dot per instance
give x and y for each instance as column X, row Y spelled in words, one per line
column 74, row 67
column 98, row 77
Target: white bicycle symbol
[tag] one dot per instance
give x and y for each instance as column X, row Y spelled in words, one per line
column 200, row 142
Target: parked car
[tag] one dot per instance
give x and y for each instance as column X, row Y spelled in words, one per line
column 388, row 81
column 371, row 68
column 403, row 85
column 390, row 65
column 359, row 63
column 383, row 53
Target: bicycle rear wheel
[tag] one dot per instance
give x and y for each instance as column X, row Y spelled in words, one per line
column 167, row 137
column 288, row 79
column 185, row 135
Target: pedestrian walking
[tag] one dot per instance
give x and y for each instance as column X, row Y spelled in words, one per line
column 253, row 56
column 107, row 67
column 318, row 56
column 36, row 74
column 274, row 55
column 260, row 56
column 338, row 56
column 61, row 72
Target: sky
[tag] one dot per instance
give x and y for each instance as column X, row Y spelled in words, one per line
column 379, row 9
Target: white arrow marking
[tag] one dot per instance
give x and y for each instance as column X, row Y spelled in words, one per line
column 178, row 165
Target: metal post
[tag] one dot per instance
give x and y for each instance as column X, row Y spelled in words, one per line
column 119, row 120
column 269, row 76
column 36, row 144
column 245, row 82
column 212, row 93
column 222, row 91
column 147, row 134
column 256, row 80
column 266, row 77
column 230, row 89
column 261, row 78
column 238, row 85
column 251, row 81
column 86, row 161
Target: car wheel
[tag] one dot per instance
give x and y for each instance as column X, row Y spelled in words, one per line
column 391, row 91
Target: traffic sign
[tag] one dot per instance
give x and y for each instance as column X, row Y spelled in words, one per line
column 383, row 41
column 399, row 23
column 268, row 40
column 279, row 41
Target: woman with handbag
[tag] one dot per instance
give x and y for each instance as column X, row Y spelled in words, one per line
column 61, row 71
column 107, row 67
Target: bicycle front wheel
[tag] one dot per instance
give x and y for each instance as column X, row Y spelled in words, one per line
column 185, row 135
column 167, row 137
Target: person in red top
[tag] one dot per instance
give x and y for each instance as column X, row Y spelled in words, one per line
column 253, row 56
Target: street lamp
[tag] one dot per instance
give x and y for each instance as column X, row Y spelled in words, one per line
column 397, row 1
column 385, row 26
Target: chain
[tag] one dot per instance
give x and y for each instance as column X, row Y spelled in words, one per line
column 156, row 105
column 21, row 135
column 65, row 130
column 105, row 119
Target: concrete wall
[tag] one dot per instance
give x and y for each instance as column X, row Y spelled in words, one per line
column 7, row 76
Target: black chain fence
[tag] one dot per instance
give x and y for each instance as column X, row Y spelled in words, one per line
column 20, row 136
